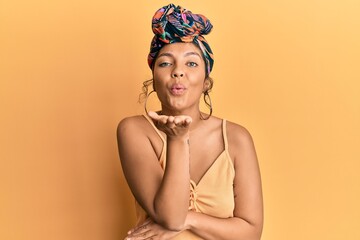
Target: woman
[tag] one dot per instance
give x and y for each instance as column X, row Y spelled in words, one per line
column 193, row 175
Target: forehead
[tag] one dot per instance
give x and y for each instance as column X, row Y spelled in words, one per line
column 179, row 48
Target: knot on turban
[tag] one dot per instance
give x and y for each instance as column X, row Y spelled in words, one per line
column 172, row 24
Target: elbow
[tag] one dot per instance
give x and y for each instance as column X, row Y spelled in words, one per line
column 170, row 219
column 173, row 226
column 254, row 229
column 257, row 231
column 168, row 224
column 253, row 234
column 257, row 236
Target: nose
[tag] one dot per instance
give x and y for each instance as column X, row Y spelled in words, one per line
column 177, row 73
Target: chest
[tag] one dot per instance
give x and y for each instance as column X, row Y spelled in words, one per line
column 203, row 155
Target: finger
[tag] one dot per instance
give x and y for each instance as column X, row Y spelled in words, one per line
column 143, row 226
column 182, row 121
column 170, row 122
column 142, row 235
column 177, row 120
column 171, row 119
column 153, row 115
column 163, row 119
column 188, row 121
column 158, row 119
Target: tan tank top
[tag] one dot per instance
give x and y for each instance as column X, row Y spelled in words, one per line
column 212, row 195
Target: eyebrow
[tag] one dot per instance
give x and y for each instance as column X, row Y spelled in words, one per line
column 167, row 54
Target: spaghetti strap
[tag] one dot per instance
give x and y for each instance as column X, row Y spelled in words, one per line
column 155, row 128
column 225, row 134
column 162, row 156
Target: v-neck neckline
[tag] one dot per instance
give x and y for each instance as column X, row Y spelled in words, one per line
column 207, row 170
column 162, row 155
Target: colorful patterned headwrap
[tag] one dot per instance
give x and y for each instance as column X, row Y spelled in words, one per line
column 172, row 24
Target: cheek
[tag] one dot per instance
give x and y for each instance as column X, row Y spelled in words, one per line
column 198, row 80
column 159, row 86
column 157, row 80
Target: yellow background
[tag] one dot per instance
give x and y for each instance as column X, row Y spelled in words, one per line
column 71, row 69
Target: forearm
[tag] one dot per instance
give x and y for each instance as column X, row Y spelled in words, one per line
column 172, row 199
column 212, row 228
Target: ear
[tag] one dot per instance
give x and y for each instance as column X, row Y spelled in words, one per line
column 206, row 85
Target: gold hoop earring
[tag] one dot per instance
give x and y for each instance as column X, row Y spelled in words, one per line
column 147, row 96
column 208, row 104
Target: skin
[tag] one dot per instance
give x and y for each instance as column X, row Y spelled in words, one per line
column 179, row 80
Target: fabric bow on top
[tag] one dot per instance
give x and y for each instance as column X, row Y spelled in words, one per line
column 172, row 24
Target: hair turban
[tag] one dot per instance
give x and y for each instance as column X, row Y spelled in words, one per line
column 172, row 24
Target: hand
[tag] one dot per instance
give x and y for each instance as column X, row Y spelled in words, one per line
column 173, row 126
column 151, row 231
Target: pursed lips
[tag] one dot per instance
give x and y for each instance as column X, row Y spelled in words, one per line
column 177, row 89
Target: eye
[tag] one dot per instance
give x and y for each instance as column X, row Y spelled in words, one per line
column 164, row 64
column 192, row 64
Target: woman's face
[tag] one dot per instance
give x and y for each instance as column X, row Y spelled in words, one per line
column 179, row 77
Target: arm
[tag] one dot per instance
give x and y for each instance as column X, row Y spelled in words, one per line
column 164, row 195
column 248, row 213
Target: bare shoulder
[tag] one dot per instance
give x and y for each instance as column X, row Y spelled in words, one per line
column 240, row 142
column 238, row 134
column 131, row 125
column 132, row 131
column 127, row 122
column 136, row 132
